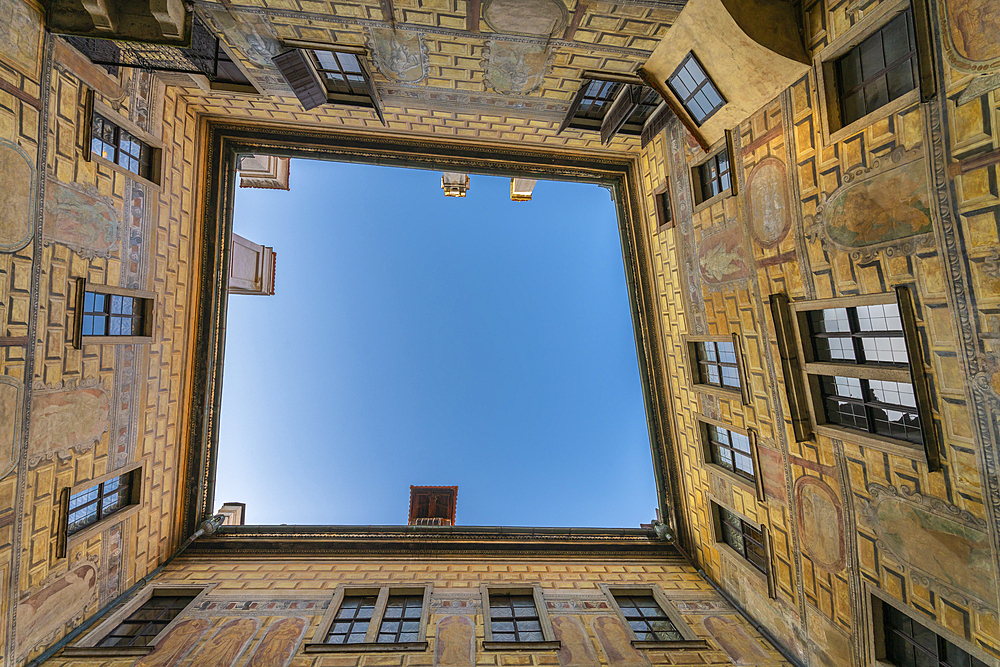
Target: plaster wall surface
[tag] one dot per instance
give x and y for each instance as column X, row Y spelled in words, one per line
column 847, row 522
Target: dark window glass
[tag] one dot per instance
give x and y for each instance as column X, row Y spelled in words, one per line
column 910, row 644
column 878, row 70
column 731, row 450
column 143, row 624
column 112, row 315
column 350, row 625
column 859, row 335
column 876, row 406
column 341, row 72
column 695, row 90
column 119, row 146
column 663, row 207
column 712, row 176
column 401, row 621
column 745, row 538
column 646, row 619
column 597, row 98
column 717, row 364
column 98, row 502
column 513, row 618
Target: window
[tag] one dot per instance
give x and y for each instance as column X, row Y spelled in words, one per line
column 650, row 617
column 903, row 642
column 144, row 625
column 879, row 70
column 712, row 177
column 874, row 69
column 875, row 406
column 695, row 90
column 664, row 209
column 646, row 619
column 119, row 146
column 745, row 538
column 374, row 619
column 516, row 617
column 717, row 364
column 136, row 627
column 611, row 105
column 730, row 450
column 908, row 643
column 329, row 76
column 863, row 371
column 859, row 334
column 84, row 508
column 100, row 501
column 113, row 315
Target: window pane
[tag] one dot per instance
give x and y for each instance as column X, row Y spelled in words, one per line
column 896, row 39
column 872, row 61
column 900, row 80
column 876, row 94
column 850, row 70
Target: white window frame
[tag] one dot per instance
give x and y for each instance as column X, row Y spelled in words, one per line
column 690, row 639
column 736, row 557
column 755, row 487
column 65, row 541
column 549, row 641
column 87, row 647
column 371, row 644
column 92, row 106
column 915, row 375
column 690, row 347
column 83, row 286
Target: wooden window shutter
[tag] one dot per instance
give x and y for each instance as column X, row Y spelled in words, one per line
column 298, row 70
column 574, row 106
column 656, row 122
column 620, row 111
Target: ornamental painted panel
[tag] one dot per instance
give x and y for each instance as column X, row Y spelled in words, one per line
column 11, row 400
column 882, row 204
column 61, row 600
column 722, row 256
column 971, row 28
column 399, row 55
column 16, row 204
column 456, row 642
column 526, row 17
column 514, row 67
column 576, row 648
column 820, row 522
column 767, row 200
column 81, row 218
column 617, row 644
column 947, row 548
column 20, row 42
column 62, row 420
column 177, row 644
column 279, row 643
column 741, row 648
column 226, row 645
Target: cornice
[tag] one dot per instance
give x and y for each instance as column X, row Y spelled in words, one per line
column 433, row 541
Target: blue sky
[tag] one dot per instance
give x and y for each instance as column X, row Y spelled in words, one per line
column 419, row 339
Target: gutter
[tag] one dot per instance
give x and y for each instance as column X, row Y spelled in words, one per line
column 208, row 527
column 752, row 621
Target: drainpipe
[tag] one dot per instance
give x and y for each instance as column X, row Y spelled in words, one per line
column 750, row 619
column 207, row 527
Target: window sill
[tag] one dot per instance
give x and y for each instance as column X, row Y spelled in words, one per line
column 744, row 565
column 907, row 450
column 522, row 646
column 682, row 645
column 125, row 172
column 106, row 651
column 365, row 647
column 731, row 394
column 115, row 340
column 744, row 484
column 713, row 200
column 101, row 526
